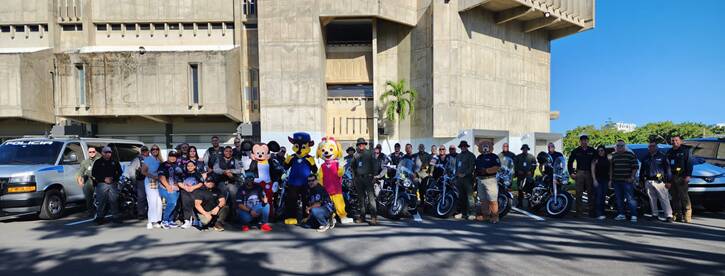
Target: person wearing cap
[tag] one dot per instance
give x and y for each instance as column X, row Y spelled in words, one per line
column 381, row 161
column 396, row 155
column 465, row 166
column 253, row 206
column 106, row 173
column 487, row 165
column 84, row 179
column 211, row 205
column 133, row 172
column 363, row 169
column 583, row 155
column 171, row 175
column 524, row 166
column 150, row 169
column 319, row 207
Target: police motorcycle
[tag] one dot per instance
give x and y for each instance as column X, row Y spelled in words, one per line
column 398, row 196
column 349, row 193
column 504, row 177
column 442, row 193
column 548, row 191
column 127, row 198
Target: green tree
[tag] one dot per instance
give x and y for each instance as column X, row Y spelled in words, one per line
column 398, row 101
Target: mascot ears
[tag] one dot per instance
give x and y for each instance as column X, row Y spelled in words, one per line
column 301, row 138
column 273, row 146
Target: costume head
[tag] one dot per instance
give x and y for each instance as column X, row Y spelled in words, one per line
column 260, row 152
column 329, row 149
column 301, row 143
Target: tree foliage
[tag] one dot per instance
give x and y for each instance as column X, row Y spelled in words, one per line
column 398, row 100
column 662, row 132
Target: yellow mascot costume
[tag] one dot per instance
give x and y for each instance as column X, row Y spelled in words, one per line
column 330, row 174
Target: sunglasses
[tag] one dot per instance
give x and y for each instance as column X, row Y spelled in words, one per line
column 154, row 149
column 91, row 151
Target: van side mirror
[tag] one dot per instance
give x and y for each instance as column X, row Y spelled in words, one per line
column 71, row 158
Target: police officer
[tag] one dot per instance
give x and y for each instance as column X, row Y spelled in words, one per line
column 83, row 177
column 524, row 165
column 396, row 155
column 487, row 164
column 106, row 172
column 654, row 172
column 363, row 168
column 506, row 153
column 465, row 165
column 583, row 155
column 681, row 166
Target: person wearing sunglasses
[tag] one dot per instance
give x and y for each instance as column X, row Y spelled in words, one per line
column 83, row 177
column 624, row 168
column 150, row 169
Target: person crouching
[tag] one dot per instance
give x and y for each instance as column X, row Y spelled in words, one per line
column 253, row 206
column 320, row 207
column 210, row 203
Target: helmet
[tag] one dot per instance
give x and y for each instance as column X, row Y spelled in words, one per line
column 544, row 158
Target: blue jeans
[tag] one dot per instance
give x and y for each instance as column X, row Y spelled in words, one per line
column 263, row 211
column 600, row 192
column 320, row 215
column 625, row 190
column 171, row 199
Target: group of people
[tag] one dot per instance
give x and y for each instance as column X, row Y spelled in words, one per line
column 240, row 183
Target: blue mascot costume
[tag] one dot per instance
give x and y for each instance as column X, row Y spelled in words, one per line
column 301, row 165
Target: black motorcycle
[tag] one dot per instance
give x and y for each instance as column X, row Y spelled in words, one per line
column 504, row 177
column 127, row 198
column 610, row 200
column 397, row 197
column 349, row 194
column 548, row 191
column 441, row 195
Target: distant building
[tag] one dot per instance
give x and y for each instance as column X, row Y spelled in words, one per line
column 625, row 127
column 720, row 125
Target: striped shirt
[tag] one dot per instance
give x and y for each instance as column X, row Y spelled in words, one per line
column 622, row 166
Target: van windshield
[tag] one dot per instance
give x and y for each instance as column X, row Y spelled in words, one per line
column 29, row 152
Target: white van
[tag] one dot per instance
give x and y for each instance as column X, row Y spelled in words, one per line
column 38, row 174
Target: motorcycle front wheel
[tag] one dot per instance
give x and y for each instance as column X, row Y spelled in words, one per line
column 395, row 210
column 444, row 206
column 504, row 204
column 559, row 206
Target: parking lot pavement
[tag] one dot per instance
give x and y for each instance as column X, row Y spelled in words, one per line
column 519, row 245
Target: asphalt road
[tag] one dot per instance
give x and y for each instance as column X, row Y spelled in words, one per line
column 519, row 245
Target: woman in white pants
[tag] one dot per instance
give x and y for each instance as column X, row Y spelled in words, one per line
column 151, row 184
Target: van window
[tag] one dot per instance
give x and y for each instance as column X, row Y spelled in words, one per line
column 705, row 149
column 29, row 152
column 70, row 150
column 721, row 151
column 126, row 152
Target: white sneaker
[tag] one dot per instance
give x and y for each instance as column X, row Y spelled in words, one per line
column 471, row 217
column 601, row 217
column 149, row 226
column 620, row 217
column 347, row 221
column 633, row 219
column 156, row 225
column 458, row 216
column 417, row 218
column 323, row 228
column 186, row 225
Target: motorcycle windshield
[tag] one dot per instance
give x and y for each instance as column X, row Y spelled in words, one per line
column 405, row 169
column 560, row 170
column 505, row 173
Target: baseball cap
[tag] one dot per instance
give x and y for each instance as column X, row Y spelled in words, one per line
column 106, row 149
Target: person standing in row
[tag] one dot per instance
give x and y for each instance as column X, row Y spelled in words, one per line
column 583, row 155
column 150, row 169
column 213, row 153
column 524, row 165
column 505, row 152
column 487, row 165
column 170, row 176
column 624, row 168
column 681, row 165
column 106, row 173
column 363, row 165
column 85, row 180
column 396, row 155
column 465, row 166
column 654, row 173
column 133, row 172
column 602, row 180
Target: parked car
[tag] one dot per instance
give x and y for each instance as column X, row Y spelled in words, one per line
column 38, row 174
column 707, row 184
column 712, row 150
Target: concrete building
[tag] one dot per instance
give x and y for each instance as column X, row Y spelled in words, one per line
column 181, row 71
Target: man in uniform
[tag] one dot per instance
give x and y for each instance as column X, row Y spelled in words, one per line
column 506, row 153
column 583, row 155
column 524, row 165
column 465, row 165
column 83, row 177
column 396, row 155
column 363, row 166
column 487, row 164
column 654, row 173
column 681, row 165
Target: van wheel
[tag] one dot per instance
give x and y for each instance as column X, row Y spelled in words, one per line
column 53, row 205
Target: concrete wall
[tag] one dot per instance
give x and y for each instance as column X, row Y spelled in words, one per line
column 26, row 86
column 157, row 83
column 161, row 11
column 25, row 11
column 349, row 64
column 487, row 76
column 401, row 11
column 292, row 75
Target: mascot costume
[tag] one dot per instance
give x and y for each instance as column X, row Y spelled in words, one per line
column 266, row 171
column 301, row 165
column 330, row 174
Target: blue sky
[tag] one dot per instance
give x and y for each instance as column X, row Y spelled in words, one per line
column 645, row 61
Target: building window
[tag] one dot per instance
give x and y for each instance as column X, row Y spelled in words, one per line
column 205, row 26
column 101, row 27
column 228, row 25
column 130, row 27
column 19, row 28
column 115, row 27
column 195, row 84
column 72, row 27
column 144, row 27
column 34, row 28
column 159, row 26
column 249, row 7
column 81, row 77
column 5, row 29
column 173, row 26
column 188, row 26
column 251, row 26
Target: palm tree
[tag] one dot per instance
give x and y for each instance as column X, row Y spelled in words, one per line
column 398, row 101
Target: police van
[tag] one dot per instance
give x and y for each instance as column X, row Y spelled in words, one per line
column 38, row 174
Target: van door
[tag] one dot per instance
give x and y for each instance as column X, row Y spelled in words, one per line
column 71, row 159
